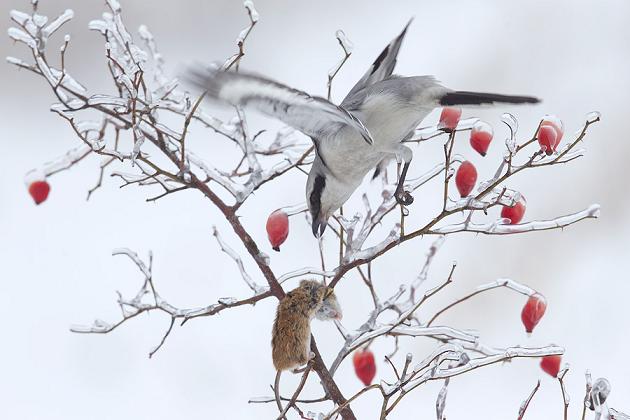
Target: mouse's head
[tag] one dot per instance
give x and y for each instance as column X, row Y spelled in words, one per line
column 323, row 300
column 330, row 309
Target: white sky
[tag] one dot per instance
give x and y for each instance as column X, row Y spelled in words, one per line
column 57, row 267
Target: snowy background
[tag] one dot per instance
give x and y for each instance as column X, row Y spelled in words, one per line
column 56, row 261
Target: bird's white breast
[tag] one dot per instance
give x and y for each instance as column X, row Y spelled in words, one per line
column 388, row 119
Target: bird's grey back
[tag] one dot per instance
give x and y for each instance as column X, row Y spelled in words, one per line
column 407, row 91
column 381, row 68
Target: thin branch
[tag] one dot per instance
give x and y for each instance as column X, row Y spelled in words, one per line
column 508, row 283
column 523, row 408
column 239, row 262
column 565, row 396
column 168, row 331
column 242, row 37
column 354, row 397
column 297, row 392
column 185, row 131
column 346, row 46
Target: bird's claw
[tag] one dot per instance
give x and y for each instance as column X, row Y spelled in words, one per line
column 404, row 198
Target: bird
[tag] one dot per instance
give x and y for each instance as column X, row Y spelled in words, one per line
column 361, row 134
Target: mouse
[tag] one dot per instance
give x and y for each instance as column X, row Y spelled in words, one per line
column 291, row 334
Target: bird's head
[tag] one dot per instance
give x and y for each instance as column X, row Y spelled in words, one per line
column 326, row 193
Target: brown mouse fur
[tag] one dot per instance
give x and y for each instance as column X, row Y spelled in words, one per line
column 291, row 335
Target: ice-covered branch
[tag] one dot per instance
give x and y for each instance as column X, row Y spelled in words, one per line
column 147, row 299
column 500, row 228
column 617, row 415
column 239, row 263
column 68, row 160
column 565, row 394
column 507, row 283
column 370, row 330
column 509, row 354
column 346, row 46
column 303, row 272
column 525, row 404
column 240, row 40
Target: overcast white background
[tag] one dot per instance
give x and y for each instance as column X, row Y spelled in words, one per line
column 56, row 259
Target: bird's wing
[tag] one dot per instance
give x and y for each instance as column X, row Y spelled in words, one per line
column 382, row 68
column 314, row 116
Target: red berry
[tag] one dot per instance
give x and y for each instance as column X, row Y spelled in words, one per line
column 533, row 311
column 465, row 178
column 480, row 137
column 277, row 228
column 556, row 123
column 551, row 364
column 515, row 213
column 39, row 191
column 449, row 118
column 364, row 366
column 547, row 138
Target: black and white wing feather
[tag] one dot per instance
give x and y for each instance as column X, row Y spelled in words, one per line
column 314, row 116
column 382, row 68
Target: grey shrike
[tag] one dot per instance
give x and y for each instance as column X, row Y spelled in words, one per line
column 367, row 129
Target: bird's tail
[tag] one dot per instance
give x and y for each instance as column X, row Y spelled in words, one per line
column 461, row 97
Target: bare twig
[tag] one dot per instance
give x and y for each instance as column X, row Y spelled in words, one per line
column 242, row 37
column 523, row 408
column 508, row 283
column 346, row 46
column 565, row 395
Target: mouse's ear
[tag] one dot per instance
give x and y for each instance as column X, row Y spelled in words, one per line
column 310, row 284
column 329, row 291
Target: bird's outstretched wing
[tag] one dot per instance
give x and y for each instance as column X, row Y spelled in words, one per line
column 314, row 116
column 382, row 68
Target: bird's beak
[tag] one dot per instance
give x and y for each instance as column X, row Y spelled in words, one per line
column 318, row 228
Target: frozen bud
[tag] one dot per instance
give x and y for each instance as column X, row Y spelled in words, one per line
column 277, row 228
column 481, row 136
column 533, row 311
column 364, row 366
column 599, row 393
column 449, row 118
column 516, row 212
column 551, row 365
column 465, row 178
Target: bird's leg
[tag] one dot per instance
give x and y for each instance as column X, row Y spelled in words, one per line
column 403, row 154
column 403, row 197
